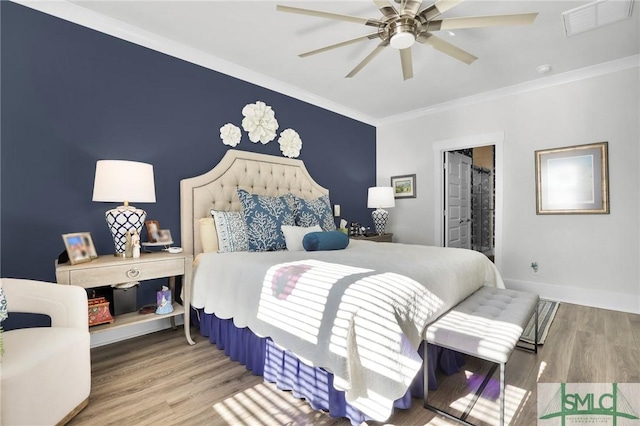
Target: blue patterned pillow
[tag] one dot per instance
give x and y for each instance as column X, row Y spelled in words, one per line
column 315, row 212
column 231, row 230
column 264, row 217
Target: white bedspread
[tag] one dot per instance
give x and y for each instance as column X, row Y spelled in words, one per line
column 359, row 312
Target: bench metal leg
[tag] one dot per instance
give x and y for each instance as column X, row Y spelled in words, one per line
column 462, row 418
column 502, row 394
column 425, row 373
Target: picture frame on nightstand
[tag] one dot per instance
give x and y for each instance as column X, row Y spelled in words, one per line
column 80, row 247
column 156, row 235
column 164, row 237
column 153, row 227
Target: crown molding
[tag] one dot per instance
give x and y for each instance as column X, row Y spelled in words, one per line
column 550, row 81
column 71, row 12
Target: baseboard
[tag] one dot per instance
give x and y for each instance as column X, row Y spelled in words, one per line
column 123, row 333
column 624, row 302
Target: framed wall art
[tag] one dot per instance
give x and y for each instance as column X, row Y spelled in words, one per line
column 573, row 180
column 404, row 186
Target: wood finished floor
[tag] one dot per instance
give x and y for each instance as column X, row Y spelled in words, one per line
column 159, row 379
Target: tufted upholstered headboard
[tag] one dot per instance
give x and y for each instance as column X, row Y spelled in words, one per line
column 256, row 173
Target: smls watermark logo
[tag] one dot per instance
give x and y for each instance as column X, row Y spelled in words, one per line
column 616, row 404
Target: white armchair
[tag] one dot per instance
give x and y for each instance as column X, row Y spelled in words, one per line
column 45, row 371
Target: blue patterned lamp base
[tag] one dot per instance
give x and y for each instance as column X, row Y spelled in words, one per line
column 123, row 219
column 380, row 218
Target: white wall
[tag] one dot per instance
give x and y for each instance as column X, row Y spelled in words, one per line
column 585, row 259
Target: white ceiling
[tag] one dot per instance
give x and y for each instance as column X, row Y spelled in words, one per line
column 253, row 41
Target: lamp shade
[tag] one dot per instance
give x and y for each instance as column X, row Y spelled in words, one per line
column 124, row 181
column 381, row 197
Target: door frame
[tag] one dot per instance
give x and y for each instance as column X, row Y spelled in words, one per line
column 439, row 148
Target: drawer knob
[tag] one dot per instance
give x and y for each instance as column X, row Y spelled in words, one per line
column 133, row 273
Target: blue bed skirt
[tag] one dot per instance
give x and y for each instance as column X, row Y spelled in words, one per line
column 263, row 358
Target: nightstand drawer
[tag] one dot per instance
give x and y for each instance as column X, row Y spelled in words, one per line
column 107, row 275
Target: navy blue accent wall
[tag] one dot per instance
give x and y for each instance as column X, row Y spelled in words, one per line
column 72, row 96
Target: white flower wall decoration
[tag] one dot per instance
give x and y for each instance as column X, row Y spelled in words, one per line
column 290, row 143
column 230, row 134
column 259, row 122
column 261, row 125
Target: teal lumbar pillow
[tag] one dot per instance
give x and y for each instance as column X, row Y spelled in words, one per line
column 329, row 240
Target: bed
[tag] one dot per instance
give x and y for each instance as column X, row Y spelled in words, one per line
column 340, row 328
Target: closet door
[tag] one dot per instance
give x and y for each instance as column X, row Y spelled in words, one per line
column 457, row 200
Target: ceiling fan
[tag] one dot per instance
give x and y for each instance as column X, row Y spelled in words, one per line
column 401, row 27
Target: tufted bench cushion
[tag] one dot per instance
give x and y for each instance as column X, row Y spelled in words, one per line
column 487, row 324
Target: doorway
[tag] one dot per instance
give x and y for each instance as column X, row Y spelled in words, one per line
column 469, row 199
column 487, row 236
column 482, row 200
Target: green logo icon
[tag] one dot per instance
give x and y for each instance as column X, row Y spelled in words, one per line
column 588, row 401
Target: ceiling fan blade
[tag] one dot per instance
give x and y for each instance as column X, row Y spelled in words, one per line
column 370, row 56
column 407, row 63
column 444, row 5
column 446, row 47
column 436, row 9
column 342, row 43
column 481, row 21
column 320, row 14
column 410, row 7
column 385, row 8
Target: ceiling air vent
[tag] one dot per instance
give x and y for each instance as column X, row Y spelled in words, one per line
column 595, row 15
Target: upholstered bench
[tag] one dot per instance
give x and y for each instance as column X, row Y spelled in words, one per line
column 487, row 325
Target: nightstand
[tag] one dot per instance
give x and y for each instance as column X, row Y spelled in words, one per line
column 108, row 269
column 383, row 238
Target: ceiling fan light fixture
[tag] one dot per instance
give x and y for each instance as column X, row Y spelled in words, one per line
column 402, row 40
column 402, row 33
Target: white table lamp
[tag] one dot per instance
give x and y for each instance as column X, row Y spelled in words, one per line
column 124, row 181
column 380, row 197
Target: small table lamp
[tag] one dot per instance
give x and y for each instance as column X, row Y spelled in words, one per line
column 124, row 181
column 380, row 197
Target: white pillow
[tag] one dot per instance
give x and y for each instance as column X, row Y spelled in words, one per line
column 208, row 236
column 293, row 235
